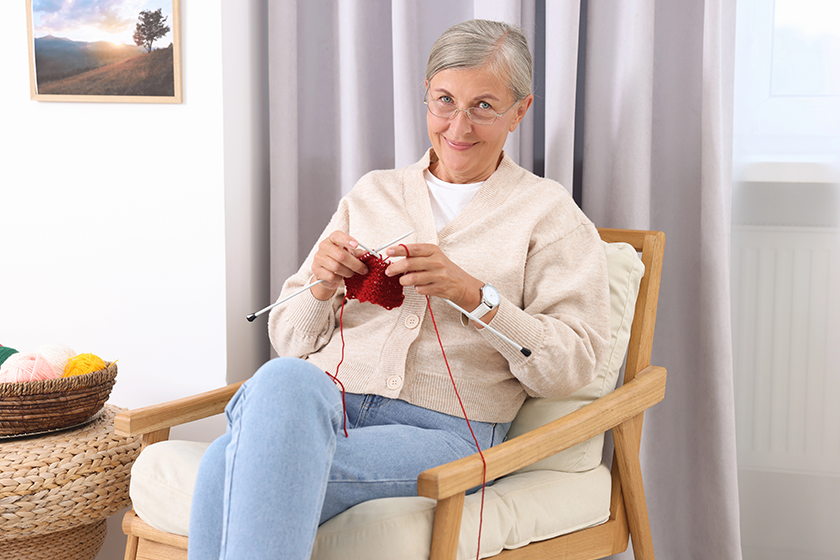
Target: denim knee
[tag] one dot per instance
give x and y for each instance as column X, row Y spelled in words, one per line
column 287, row 380
column 291, row 375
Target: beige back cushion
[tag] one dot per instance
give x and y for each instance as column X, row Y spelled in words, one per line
column 625, row 272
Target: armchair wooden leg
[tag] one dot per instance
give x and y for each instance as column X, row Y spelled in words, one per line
column 447, row 528
column 627, row 453
column 131, row 547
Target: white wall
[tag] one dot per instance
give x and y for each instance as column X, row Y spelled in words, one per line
column 114, row 225
column 113, row 222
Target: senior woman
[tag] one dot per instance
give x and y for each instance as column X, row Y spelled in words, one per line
column 507, row 246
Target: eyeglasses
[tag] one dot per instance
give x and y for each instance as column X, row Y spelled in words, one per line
column 444, row 108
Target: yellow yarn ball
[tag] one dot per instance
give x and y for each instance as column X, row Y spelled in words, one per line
column 82, row 364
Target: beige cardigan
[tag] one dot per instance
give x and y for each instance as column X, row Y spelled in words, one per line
column 521, row 233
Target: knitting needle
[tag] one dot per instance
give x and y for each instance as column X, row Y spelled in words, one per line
column 253, row 316
column 371, row 251
column 375, row 252
column 525, row 352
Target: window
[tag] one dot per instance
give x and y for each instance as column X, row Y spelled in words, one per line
column 787, row 81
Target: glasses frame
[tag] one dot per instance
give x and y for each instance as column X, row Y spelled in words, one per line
column 467, row 111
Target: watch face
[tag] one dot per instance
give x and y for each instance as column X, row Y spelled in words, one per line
column 491, row 295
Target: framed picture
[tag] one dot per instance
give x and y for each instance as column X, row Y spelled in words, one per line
column 116, row 51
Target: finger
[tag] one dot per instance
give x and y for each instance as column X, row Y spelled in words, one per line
column 359, row 252
column 344, row 264
column 343, row 240
column 411, row 250
column 416, row 258
column 354, row 248
column 337, row 259
column 404, row 266
column 422, row 277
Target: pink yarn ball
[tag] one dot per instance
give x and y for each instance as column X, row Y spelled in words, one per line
column 26, row 367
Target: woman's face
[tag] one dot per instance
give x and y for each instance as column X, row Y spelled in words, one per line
column 469, row 152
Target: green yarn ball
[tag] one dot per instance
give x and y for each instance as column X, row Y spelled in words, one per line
column 5, row 352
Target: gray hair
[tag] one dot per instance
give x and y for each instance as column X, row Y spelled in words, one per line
column 477, row 43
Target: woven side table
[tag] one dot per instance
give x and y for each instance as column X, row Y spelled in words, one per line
column 57, row 491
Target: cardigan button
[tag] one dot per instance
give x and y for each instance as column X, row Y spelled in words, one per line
column 394, row 382
column 412, row 321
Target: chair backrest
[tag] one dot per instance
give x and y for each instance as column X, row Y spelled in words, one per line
column 651, row 246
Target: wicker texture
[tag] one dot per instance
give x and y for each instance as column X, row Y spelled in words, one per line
column 64, row 480
column 41, row 406
column 80, row 543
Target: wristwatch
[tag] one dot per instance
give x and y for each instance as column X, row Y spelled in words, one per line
column 490, row 299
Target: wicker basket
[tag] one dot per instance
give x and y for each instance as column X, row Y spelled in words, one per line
column 38, row 407
column 79, row 543
column 63, row 481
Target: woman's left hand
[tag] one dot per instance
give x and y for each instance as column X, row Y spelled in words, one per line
column 431, row 273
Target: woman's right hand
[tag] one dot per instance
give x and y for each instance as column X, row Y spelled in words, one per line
column 337, row 258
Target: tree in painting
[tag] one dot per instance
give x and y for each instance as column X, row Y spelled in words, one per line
column 151, row 27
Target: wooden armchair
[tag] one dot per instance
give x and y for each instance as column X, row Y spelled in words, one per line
column 621, row 411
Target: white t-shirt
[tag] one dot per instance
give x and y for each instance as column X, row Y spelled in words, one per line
column 448, row 199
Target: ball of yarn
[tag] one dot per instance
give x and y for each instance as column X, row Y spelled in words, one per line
column 57, row 355
column 5, row 352
column 82, row 364
column 31, row 366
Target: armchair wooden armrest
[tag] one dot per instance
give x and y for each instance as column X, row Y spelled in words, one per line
column 448, row 483
column 626, row 402
column 153, row 422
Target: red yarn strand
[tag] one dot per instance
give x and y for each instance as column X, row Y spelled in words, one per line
column 341, row 361
column 464, row 410
column 469, row 425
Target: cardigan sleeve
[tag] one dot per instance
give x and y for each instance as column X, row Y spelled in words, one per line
column 566, row 317
column 303, row 325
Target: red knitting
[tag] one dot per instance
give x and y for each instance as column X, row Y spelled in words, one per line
column 375, row 286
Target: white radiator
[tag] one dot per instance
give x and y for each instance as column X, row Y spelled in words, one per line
column 786, row 347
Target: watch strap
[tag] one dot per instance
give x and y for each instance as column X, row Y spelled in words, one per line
column 480, row 311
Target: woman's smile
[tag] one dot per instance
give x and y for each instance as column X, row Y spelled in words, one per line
column 460, row 146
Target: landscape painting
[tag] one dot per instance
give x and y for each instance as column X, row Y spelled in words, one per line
column 105, row 50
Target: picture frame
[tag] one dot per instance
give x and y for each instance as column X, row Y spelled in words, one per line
column 79, row 52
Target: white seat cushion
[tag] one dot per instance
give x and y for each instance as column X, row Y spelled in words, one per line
column 162, row 484
column 518, row 509
column 563, row 493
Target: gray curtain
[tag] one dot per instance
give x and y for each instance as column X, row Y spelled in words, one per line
column 650, row 148
column 657, row 154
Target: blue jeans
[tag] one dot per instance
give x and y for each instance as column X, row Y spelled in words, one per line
column 284, row 465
